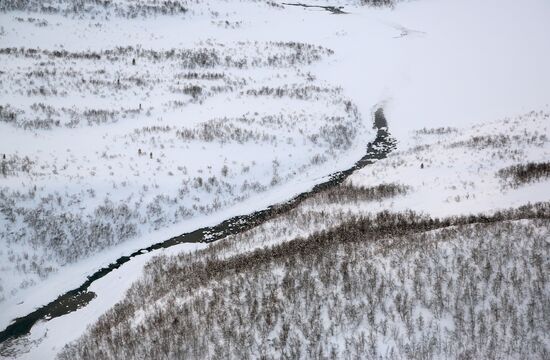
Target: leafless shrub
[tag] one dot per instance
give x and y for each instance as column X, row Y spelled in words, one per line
column 9, row 114
column 350, row 193
column 307, row 92
column 517, row 175
column 499, row 141
column 126, row 9
column 13, row 164
column 437, row 131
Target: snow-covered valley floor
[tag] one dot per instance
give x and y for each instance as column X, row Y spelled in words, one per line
column 122, row 131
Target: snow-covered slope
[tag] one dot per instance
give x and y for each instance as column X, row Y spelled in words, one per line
column 465, row 291
column 452, row 182
column 234, row 105
column 112, row 145
column 375, row 281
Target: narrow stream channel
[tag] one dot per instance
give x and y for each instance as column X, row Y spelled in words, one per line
column 81, row 296
column 332, row 9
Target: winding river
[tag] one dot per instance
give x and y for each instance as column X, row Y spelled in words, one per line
column 81, row 296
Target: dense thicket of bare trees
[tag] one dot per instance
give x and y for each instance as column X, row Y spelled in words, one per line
column 386, row 286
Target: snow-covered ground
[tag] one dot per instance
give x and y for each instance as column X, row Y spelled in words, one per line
column 452, row 183
column 430, row 63
column 455, row 171
column 460, row 176
column 114, row 142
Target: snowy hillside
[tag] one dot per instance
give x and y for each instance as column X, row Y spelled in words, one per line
column 355, row 292
column 104, row 144
column 448, row 261
column 129, row 122
column 396, row 269
column 82, row 178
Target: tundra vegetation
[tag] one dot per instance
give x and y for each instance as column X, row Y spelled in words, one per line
column 388, row 285
column 340, row 277
column 517, row 175
column 147, row 107
column 146, row 123
column 440, row 250
column 132, row 9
